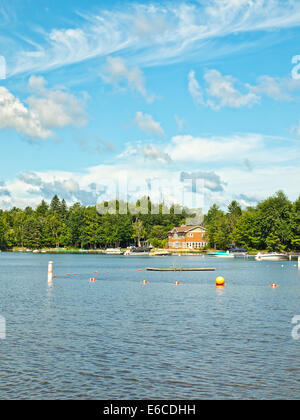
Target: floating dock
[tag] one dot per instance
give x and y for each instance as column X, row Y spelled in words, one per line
column 180, row 269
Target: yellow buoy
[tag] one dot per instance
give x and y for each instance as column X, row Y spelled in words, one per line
column 220, row 281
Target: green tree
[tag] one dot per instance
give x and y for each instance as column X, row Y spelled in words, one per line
column 139, row 231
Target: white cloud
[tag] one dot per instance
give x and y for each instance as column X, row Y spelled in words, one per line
column 220, row 91
column 194, row 88
column 146, row 123
column 147, row 152
column 154, row 35
column 15, row 115
column 46, row 110
column 187, row 148
column 275, row 87
column 55, row 108
column 221, row 184
column 115, row 72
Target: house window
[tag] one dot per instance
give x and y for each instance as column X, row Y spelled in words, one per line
column 190, row 235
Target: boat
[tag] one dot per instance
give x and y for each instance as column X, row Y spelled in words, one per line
column 160, row 253
column 221, row 254
column 239, row 252
column 137, row 251
column 271, row 257
column 114, row 251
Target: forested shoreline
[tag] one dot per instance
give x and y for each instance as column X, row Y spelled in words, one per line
column 273, row 225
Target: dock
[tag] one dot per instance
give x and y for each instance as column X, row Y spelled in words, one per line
column 180, row 269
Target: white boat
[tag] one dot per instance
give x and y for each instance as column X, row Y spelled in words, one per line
column 136, row 251
column 221, row 254
column 271, row 257
column 114, row 251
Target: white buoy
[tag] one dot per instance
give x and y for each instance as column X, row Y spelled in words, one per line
column 50, row 272
column 298, row 263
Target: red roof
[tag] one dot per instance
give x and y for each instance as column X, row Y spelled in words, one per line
column 185, row 229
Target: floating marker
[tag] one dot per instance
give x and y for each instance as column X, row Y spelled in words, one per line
column 274, row 285
column 50, row 272
column 220, row 281
column 92, row 280
column 176, row 283
column 144, row 282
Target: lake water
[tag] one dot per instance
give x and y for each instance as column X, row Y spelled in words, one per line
column 118, row 339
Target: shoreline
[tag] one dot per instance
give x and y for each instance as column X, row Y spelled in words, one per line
column 102, row 252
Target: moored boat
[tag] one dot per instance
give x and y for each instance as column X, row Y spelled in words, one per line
column 271, row 257
column 137, row 251
column 239, row 252
column 114, row 251
column 221, row 254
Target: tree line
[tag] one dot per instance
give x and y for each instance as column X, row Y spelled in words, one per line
column 55, row 225
column 273, row 225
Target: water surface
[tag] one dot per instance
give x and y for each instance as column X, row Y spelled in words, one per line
column 118, row 339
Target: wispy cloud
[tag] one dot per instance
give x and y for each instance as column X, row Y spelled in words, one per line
column 153, row 33
column 195, row 88
column 117, row 72
column 220, row 91
column 146, row 123
column 225, row 91
column 147, row 152
column 276, row 88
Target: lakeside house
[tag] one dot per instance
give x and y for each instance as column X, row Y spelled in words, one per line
column 187, row 237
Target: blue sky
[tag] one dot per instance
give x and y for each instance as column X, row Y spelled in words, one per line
column 95, row 94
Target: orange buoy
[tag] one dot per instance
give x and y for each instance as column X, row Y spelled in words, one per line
column 96, row 272
column 92, row 280
column 176, row 283
column 274, row 285
column 68, row 274
column 107, row 271
column 140, row 269
column 144, row 282
column 220, row 282
column 121, row 271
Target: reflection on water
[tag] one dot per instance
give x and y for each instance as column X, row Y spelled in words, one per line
column 118, row 338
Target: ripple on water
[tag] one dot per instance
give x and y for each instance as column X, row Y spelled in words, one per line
column 118, row 340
